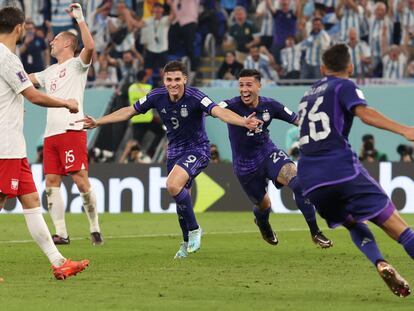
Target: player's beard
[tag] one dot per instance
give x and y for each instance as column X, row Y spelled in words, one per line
column 21, row 38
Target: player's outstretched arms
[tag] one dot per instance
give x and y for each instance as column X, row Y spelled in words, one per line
column 228, row 116
column 122, row 114
column 373, row 117
column 41, row 99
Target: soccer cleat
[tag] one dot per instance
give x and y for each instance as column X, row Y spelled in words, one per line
column 182, row 251
column 69, row 268
column 267, row 232
column 394, row 281
column 96, row 238
column 58, row 240
column 194, row 240
column 320, row 239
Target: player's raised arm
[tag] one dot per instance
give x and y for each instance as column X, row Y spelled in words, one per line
column 75, row 11
column 41, row 99
column 228, row 116
column 122, row 114
column 373, row 117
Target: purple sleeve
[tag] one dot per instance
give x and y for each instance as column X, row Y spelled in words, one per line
column 350, row 96
column 144, row 104
column 283, row 113
column 207, row 104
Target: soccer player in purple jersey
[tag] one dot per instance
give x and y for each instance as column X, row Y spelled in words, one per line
column 332, row 176
column 182, row 110
column 256, row 159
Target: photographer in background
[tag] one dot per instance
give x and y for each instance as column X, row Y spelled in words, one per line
column 368, row 151
column 405, row 152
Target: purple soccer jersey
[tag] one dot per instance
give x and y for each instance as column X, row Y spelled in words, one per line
column 251, row 148
column 325, row 117
column 185, row 119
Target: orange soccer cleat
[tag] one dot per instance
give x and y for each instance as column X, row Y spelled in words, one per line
column 69, row 268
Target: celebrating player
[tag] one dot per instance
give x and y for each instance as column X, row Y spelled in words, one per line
column 65, row 145
column 256, row 159
column 182, row 110
column 16, row 178
column 330, row 173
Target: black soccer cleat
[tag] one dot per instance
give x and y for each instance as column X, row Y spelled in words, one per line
column 267, row 232
column 58, row 240
column 321, row 240
column 96, row 238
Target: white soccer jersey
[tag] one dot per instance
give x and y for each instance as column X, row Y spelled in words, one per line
column 13, row 80
column 394, row 69
column 66, row 80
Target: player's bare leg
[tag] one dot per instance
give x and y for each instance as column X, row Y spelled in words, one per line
column 262, row 212
column 81, row 179
column 287, row 177
column 56, row 208
column 176, row 181
column 62, row 267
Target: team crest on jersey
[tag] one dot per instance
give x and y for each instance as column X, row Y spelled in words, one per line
column 62, row 73
column 22, row 76
column 14, row 184
column 266, row 116
column 184, row 111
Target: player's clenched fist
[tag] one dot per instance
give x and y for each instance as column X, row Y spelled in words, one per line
column 72, row 105
column 75, row 11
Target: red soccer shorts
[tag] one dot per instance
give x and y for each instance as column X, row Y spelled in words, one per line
column 16, row 177
column 65, row 153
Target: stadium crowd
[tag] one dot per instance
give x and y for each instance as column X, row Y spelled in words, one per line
column 283, row 39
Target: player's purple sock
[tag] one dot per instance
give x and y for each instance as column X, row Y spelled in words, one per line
column 183, row 225
column 304, row 205
column 365, row 241
column 406, row 239
column 185, row 209
column 262, row 215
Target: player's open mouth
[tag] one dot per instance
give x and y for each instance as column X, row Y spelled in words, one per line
column 246, row 97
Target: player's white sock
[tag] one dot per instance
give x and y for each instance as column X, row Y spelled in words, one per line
column 57, row 210
column 40, row 233
column 89, row 205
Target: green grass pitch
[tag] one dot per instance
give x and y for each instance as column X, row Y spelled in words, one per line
column 234, row 270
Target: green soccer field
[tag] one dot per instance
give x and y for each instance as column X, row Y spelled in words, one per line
column 234, row 270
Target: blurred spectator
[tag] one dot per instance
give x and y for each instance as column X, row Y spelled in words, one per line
column 59, row 19
column 121, row 29
column 394, row 58
column 16, row 3
column 243, row 33
column 99, row 26
column 230, row 68
column 215, row 154
column 35, row 10
column 360, row 54
column 34, row 52
column 405, row 152
column 290, row 59
column 155, row 38
column 284, row 24
column 348, row 13
column 128, row 68
column 149, row 122
column 378, row 24
column 407, row 25
column 368, row 151
column 315, row 44
column 410, row 70
column 183, row 33
column 105, row 74
column 228, row 5
column 261, row 60
column 97, row 155
column 133, row 154
column 266, row 24
column 149, row 5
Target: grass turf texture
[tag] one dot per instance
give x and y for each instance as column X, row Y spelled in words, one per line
column 234, row 270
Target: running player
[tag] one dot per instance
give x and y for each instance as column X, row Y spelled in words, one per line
column 256, row 159
column 16, row 178
column 332, row 176
column 182, row 110
column 65, row 145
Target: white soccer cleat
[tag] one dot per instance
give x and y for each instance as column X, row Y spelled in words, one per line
column 194, row 240
column 182, row 251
